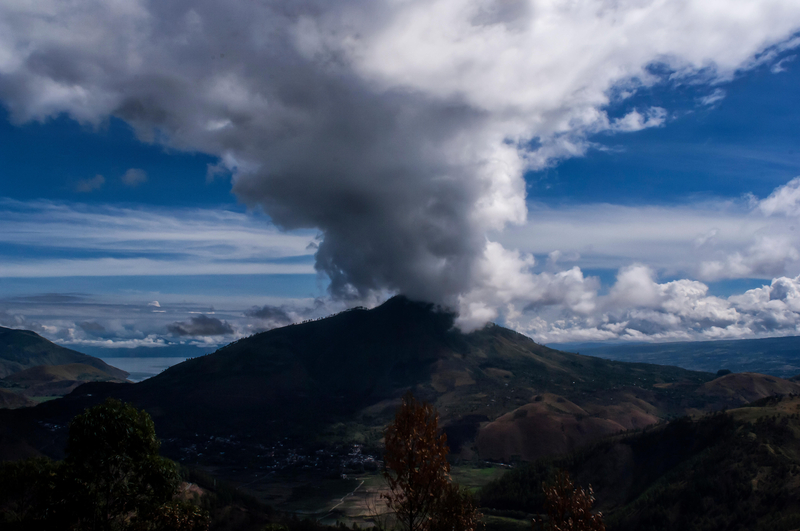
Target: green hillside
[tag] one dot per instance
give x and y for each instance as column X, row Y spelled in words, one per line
column 23, row 349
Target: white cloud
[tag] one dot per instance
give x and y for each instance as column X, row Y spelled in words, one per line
column 399, row 130
column 634, row 121
column 784, row 200
column 780, row 66
column 716, row 96
column 116, row 267
column 143, row 241
column 507, row 283
column 638, row 308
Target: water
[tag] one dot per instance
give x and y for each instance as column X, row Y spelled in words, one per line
column 143, row 368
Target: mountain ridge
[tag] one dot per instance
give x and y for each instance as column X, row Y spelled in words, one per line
column 340, row 378
column 24, row 349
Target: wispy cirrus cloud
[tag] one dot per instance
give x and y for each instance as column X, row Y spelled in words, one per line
column 115, row 267
column 44, row 239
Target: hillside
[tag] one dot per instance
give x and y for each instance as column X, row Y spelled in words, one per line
column 11, row 400
column 734, row 470
column 23, row 349
column 55, row 380
column 338, row 380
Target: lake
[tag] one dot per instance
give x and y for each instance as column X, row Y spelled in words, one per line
column 143, row 368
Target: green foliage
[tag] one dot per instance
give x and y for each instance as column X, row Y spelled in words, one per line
column 112, row 479
column 112, row 453
column 28, row 490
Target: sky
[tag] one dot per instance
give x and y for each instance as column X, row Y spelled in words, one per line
column 188, row 173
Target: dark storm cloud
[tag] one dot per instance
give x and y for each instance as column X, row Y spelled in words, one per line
column 201, row 325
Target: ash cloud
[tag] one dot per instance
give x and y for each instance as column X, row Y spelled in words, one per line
column 201, row 325
column 400, row 130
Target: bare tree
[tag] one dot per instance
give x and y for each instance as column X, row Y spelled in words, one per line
column 418, row 474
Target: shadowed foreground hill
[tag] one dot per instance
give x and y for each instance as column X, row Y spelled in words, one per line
column 57, row 380
column 340, row 379
column 23, row 349
column 737, row 470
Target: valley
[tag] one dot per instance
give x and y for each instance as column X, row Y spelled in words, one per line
column 294, row 416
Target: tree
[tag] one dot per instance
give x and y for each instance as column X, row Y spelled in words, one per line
column 116, row 473
column 112, row 479
column 28, row 492
column 418, row 473
column 569, row 508
column 455, row 511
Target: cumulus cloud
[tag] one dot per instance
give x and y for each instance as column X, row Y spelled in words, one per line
column 399, row 130
column 784, row 200
column 639, row 308
column 134, row 177
column 201, row 325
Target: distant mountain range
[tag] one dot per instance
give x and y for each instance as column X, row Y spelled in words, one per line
column 778, row 356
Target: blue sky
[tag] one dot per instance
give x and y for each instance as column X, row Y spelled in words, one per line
column 746, row 142
column 611, row 186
